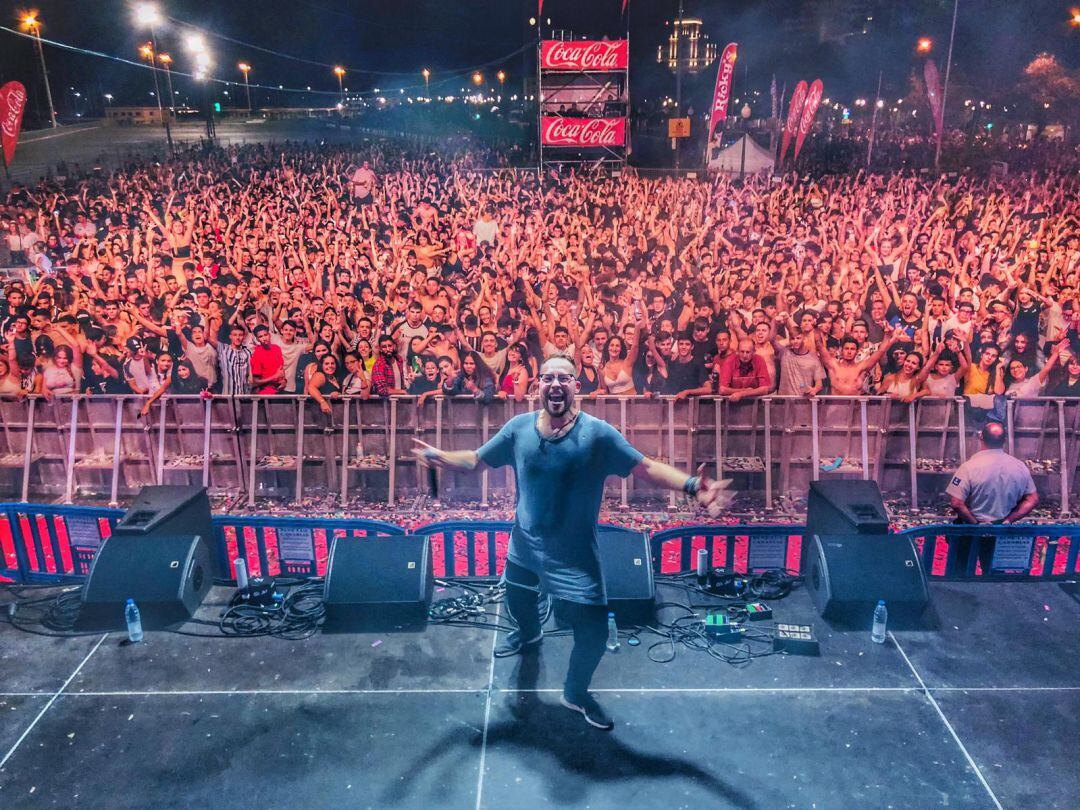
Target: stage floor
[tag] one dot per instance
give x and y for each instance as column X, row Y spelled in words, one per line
column 978, row 713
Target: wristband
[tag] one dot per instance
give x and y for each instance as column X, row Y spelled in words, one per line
column 692, row 485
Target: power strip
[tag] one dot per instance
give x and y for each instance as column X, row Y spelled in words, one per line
column 796, row 639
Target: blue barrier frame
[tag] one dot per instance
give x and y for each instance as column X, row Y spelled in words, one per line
column 55, row 544
column 767, row 548
column 1016, row 547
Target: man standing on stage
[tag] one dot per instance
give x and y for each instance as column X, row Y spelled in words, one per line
column 561, row 458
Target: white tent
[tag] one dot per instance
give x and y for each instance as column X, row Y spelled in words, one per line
column 731, row 159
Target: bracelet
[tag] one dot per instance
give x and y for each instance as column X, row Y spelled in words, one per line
column 692, row 485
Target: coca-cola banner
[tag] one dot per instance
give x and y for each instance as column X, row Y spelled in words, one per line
column 793, row 114
column 584, row 55
column 12, row 104
column 722, row 94
column 933, row 93
column 582, row 132
column 809, row 110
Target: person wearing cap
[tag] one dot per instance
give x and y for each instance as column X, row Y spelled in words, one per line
column 990, row 487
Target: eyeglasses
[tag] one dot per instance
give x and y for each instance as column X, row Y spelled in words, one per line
column 564, row 379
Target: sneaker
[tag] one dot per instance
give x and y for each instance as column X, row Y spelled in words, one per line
column 591, row 710
column 513, row 646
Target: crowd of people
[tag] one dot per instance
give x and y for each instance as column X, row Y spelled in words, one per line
column 336, row 273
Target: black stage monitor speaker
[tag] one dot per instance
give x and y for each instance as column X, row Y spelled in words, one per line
column 845, row 507
column 378, row 583
column 626, row 566
column 171, row 510
column 167, row 576
column 847, row 575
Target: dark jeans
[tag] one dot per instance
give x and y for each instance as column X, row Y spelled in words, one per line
column 589, row 623
column 984, row 548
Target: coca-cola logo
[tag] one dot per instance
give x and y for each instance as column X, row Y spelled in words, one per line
column 583, row 131
column 12, row 104
column 813, row 98
column 13, row 113
column 588, row 55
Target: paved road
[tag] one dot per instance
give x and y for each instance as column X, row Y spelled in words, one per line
column 98, row 142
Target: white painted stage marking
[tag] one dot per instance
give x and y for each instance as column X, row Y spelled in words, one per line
column 48, row 705
column 948, row 725
column 487, row 712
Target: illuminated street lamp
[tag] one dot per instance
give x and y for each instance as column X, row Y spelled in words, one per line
column 196, row 46
column 501, row 76
column 924, row 45
column 1074, row 18
column 166, row 62
column 245, row 68
column 147, row 16
column 478, row 78
column 339, row 71
column 32, row 24
column 427, row 76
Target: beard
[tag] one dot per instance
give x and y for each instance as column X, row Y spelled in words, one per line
column 557, row 403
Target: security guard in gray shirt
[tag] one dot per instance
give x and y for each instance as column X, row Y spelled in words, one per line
column 990, row 487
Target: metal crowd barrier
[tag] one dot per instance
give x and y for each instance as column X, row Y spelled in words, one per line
column 285, row 447
column 999, row 553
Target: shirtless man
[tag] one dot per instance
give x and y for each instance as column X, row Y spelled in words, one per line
column 846, row 375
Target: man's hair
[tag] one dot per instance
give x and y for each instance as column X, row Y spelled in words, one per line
column 993, row 435
column 551, row 358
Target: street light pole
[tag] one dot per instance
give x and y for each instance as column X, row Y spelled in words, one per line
column 33, row 25
column 166, row 60
column 245, row 68
column 678, row 75
column 945, row 89
column 745, row 114
column 427, row 85
column 148, row 15
column 339, row 71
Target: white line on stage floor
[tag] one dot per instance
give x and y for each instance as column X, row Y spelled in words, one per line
column 487, row 713
column 612, row 690
column 948, row 725
column 52, row 700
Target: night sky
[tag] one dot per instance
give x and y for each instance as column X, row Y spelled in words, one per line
column 995, row 38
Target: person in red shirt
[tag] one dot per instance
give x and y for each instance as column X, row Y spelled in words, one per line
column 744, row 373
column 267, row 364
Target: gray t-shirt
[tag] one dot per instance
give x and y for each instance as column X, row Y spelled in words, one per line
column 560, row 484
column 798, row 372
column 991, row 483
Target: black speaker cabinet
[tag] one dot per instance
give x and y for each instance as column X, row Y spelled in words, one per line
column 378, row 583
column 167, row 576
column 172, row 510
column 847, row 575
column 626, row 567
column 845, row 507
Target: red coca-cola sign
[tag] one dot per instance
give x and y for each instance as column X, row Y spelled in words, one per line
column 582, row 132
column 12, row 104
column 584, row 55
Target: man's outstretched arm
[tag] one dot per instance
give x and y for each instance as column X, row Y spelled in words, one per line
column 709, row 492
column 446, row 459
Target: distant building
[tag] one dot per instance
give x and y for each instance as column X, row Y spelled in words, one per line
column 695, row 50
column 133, row 115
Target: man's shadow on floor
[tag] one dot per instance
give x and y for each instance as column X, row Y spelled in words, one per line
column 559, row 746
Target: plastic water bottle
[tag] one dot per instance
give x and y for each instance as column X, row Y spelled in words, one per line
column 881, row 617
column 612, row 634
column 134, row 621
